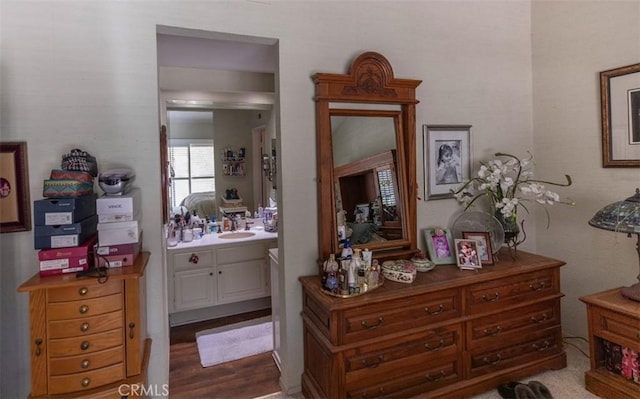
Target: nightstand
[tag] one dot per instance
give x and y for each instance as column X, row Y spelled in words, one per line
column 615, row 319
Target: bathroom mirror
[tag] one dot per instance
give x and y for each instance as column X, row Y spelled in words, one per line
column 366, row 159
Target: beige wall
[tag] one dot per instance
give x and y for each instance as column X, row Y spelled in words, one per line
column 84, row 74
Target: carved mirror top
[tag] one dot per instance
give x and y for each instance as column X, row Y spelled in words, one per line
column 369, row 90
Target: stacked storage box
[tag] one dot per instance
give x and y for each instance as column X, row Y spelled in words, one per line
column 65, row 230
column 119, row 230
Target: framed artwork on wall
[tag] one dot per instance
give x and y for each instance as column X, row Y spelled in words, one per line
column 440, row 246
column 447, row 158
column 15, row 207
column 620, row 112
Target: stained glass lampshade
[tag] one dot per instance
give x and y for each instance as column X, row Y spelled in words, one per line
column 623, row 217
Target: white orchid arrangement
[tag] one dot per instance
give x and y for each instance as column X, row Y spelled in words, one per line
column 508, row 182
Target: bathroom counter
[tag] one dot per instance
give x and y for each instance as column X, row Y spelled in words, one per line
column 217, row 239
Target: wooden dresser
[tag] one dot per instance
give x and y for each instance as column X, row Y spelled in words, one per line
column 450, row 334
column 616, row 319
column 88, row 335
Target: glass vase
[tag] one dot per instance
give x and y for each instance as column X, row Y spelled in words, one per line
column 512, row 230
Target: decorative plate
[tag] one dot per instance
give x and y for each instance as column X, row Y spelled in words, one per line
column 479, row 221
column 401, row 271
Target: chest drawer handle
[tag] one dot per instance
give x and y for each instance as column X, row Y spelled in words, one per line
column 437, row 377
column 545, row 345
column 84, row 364
column 131, row 327
column 496, row 296
column 85, row 382
column 537, row 287
column 38, row 346
column 84, row 327
column 83, row 291
column 84, row 309
column 494, row 332
column 435, row 312
column 440, row 346
column 84, row 345
column 374, row 326
column 375, row 363
column 494, row 362
column 541, row 319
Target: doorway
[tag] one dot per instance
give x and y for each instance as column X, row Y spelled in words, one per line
column 197, row 71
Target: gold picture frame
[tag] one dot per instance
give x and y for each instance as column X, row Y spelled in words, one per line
column 620, row 111
column 15, row 207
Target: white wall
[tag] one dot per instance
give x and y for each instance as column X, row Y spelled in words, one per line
column 572, row 43
column 84, row 74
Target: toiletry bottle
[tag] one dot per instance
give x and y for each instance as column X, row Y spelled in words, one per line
column 354, row 266
column 374, row 273
column 225, row 224
column 343, row 277
column 346, row 250
column 330, row 271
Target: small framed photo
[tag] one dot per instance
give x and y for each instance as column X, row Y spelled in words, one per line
column 440, row 246
column 15, row 210
column 485, row 252
column 447, row 159
column 467, row 254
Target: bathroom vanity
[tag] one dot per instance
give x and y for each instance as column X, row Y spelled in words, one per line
column 219, row 275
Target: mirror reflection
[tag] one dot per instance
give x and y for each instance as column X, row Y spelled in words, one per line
column 365, row 179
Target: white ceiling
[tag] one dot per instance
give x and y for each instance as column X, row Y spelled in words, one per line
column 211, row 53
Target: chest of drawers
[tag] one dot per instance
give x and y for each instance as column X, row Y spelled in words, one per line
column 88, row 335
column 452, row 333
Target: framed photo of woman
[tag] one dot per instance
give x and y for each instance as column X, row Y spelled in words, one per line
column 440, row 246
column 485, row 251
column 467, row 254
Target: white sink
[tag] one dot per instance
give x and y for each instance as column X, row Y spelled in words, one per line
column 236, row 235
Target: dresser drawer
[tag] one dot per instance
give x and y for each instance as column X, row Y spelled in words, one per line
column 85, row 326
column 383, row 359
column 192, row 260
column 411, row 382
column 515, row 352
column 89, row 344
column 87, row 361
column 495, row 295
column 240, row 254
column 86, row 380
column 616, row 327
column 399, row 315
column 92, row 289
column 488, row 331
column 84, row 308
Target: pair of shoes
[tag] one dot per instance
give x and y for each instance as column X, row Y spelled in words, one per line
column 518, row 390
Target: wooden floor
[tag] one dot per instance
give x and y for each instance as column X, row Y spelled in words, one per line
column 246, row 378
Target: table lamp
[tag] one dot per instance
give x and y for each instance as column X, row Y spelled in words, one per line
column 623, row 217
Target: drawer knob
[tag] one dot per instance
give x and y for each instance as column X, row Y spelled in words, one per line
column 84, row 327
column 435, row 312
column 435, row 378
column 83, row 291
column 380, row 395
column 84, row 364
column 537, row 287
column 85, row 382
column 373, row 364
column 373, row 326
column 38, row 346
column 430, row 348
column 84, row 309
column 496, row 296
column 492, row 332
column 194, row 259
column 493, row 362
column 84, row 345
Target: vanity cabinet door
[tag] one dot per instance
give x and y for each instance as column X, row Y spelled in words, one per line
column 194, row 289
column 242, row 281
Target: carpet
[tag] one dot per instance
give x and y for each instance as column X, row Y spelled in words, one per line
column 235, row 341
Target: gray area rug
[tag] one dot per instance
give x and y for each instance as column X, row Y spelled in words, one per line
column 235, row 341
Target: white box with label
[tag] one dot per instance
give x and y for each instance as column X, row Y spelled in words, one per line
column 119, row 208
column 117, row 233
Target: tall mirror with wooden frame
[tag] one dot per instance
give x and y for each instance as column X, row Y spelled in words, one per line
column 366, row 141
